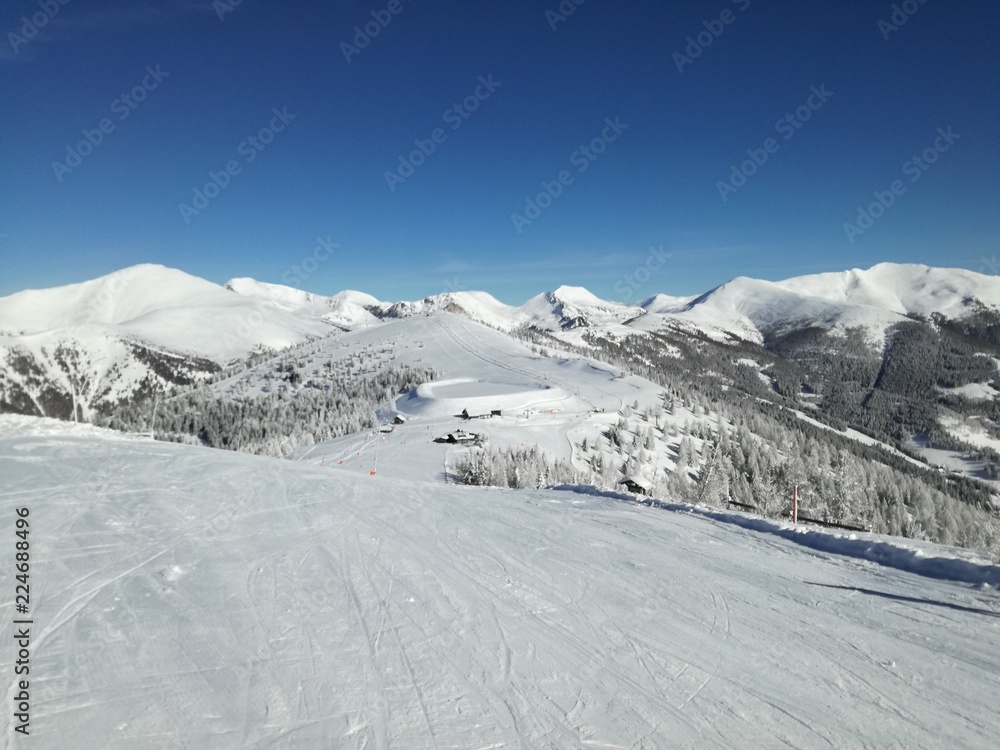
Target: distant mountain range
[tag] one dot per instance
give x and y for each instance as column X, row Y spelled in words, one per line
column 147, row 327
column 749, row 309
column 873, row 389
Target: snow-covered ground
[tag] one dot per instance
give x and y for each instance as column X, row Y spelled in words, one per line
column 972, row 391
column 970, row 431
column 98, row 342
column 185, row 597
column 163, row 307
column 551, row 402
column 169, row 309
column 854, row 435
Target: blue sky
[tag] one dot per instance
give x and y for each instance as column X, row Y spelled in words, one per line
column 687, row 116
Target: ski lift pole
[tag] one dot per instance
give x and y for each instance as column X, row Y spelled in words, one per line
column 152, row 423
column 795, row 503
column 378, row 435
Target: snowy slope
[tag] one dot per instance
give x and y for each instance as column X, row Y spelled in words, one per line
column 872, row 299
column 174, row 310
column 479, row 306
column 286, row 296
column 565, row 308
column 663, row 303
column 146, row 326
column 191, row 598
column 573, row 307
column 902, row 288
column 750, row 308
column 100, row 341
column 345, row 309
column 357, row 307
column 161, row 306
column 549, row 401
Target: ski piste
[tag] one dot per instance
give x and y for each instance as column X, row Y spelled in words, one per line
column 220, row 600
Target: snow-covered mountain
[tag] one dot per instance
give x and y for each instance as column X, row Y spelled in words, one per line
column 140, row 328
column 664, row 303
column 750, row 309
column 745, row 308
column 162, row 307
column 479, row 306
column 904, row 289
column 873, row 299
column 570, row 307
column 356, row 596
column 72, row 348
column 565, row 308
column 346, row 309
column 345, row 537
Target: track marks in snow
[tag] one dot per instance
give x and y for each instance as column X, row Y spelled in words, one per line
column 246, row 603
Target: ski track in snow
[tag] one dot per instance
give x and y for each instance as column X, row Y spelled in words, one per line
column 242, row 602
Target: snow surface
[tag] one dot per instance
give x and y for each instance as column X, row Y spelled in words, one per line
column 162, row 306
column 170, row 309
column 551, row 402
column 185, row 597
column 344, row 309
column 970, row 431
column 972, row 391
column 447, row 398
column 750, row 308
column 571, row 306
column 662, row 303
column 566, row 307
column 478, row 306
column 902, row 288
column 193, row 598
column 871, row 299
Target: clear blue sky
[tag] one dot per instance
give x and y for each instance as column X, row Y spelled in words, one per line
column 449, row 225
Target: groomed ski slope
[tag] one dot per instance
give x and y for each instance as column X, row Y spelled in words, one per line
column 192, row 598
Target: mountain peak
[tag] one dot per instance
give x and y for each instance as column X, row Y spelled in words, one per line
column 574, row 292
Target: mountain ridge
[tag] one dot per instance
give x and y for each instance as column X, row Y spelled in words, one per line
column 888, row 291
column 148, row 326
